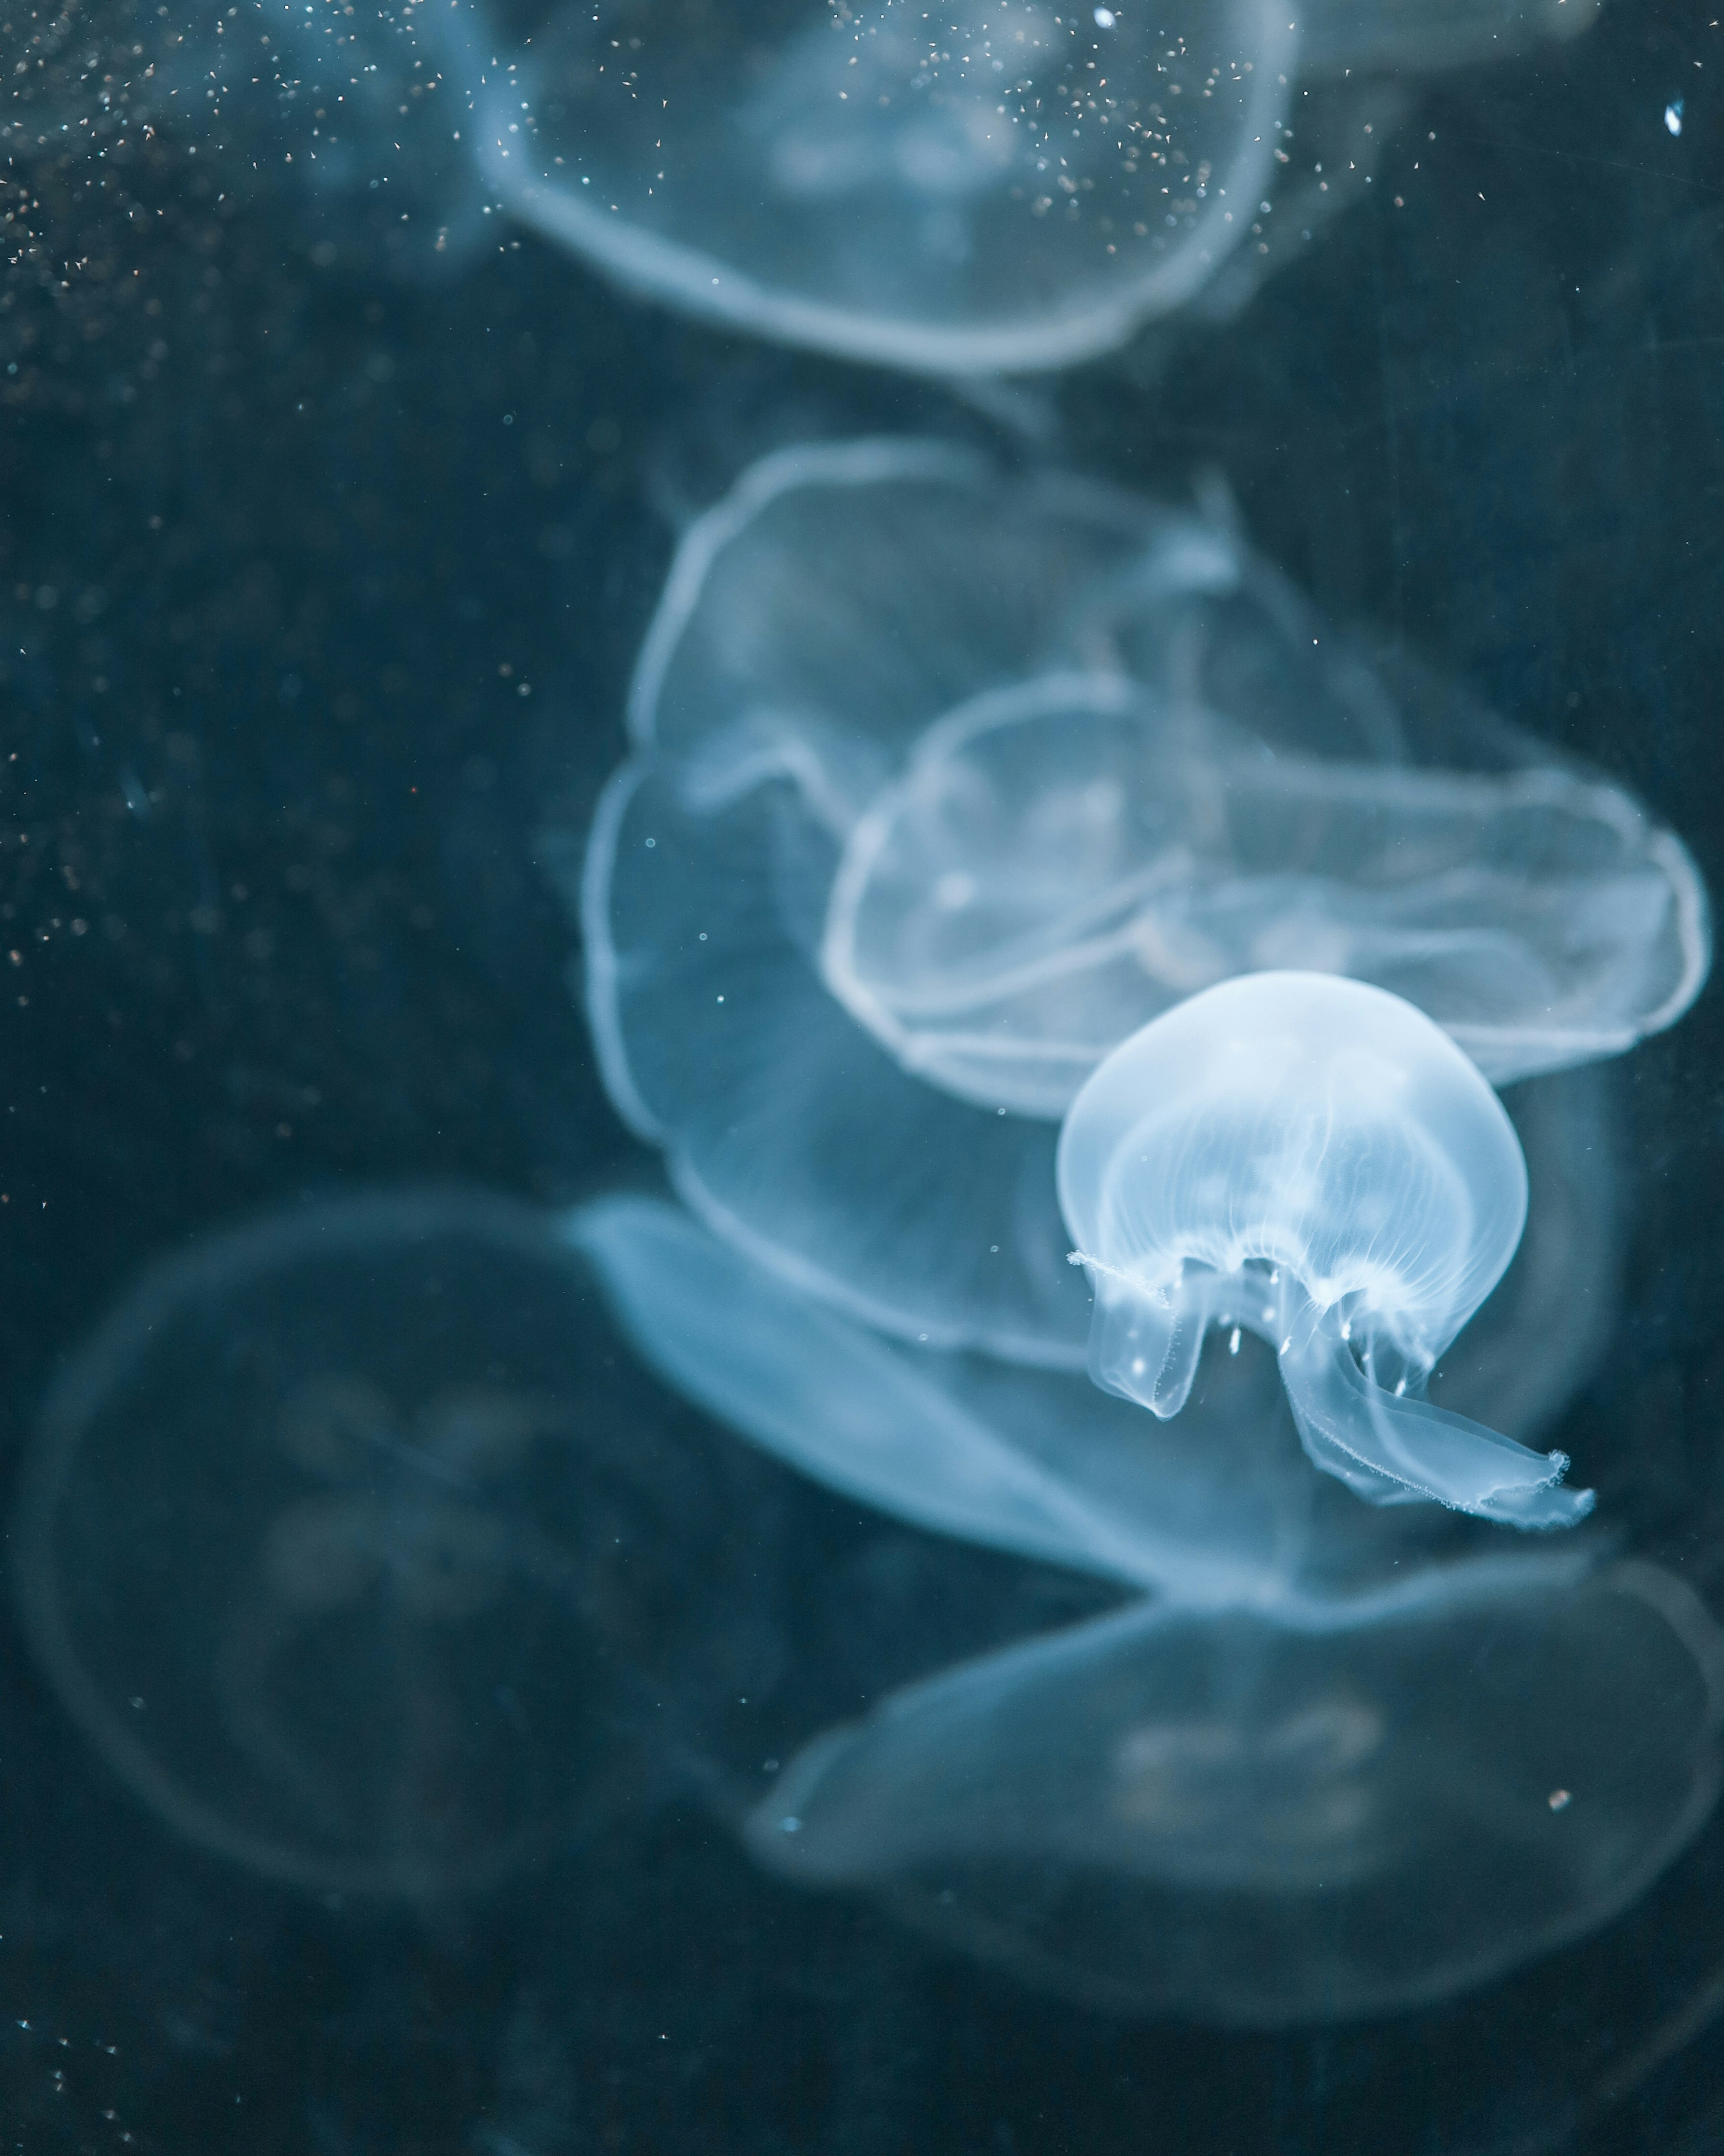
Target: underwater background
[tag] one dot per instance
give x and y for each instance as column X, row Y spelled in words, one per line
column 324, row 562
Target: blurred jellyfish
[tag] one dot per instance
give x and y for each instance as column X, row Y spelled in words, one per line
column 1301, row 1815
column 1001, row 187
column 752, row 952
column 1222, row 1509
column 353, row 1542
column 1311, row 1158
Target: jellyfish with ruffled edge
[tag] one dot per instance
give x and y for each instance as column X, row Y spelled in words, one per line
column 1221, row 1510
column 361, row 1549
column 1002, row 187
column 818, row 629
column 1311, row 1158
column 1270, row 1816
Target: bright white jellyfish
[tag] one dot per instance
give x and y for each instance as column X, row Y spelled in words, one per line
column 1309, row 1159
column 351, row 1538
column 880, row 669
column 1291, row 1815
column 999, row 185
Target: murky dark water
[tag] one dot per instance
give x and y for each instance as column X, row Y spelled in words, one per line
column 323, row 562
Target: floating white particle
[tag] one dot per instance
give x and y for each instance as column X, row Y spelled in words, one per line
column 1673, row 117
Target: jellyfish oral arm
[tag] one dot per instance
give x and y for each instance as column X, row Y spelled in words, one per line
column 1387, row 1447
column 1392, row 1448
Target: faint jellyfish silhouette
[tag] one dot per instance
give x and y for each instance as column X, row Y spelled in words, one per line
column 818, row 628
column 1311, row 1158
column 1002, row 187
column 1299, row 1814
column 353, row 1541
column 1220, row 1512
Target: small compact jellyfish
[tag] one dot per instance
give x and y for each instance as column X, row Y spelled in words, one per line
column 882, row 669
column 1304, row 1815
column 1223, row 1510
column 1311, row 1159
column 1000, row 186
column 352, row 1541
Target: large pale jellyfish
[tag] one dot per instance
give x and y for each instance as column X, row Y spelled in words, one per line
column 1289, row 1814
column 994, row 186
column 1220, row 1511
column 1311, row 1159
column 879, row 669
column 356, row 1544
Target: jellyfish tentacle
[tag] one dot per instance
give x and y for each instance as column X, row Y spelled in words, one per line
column 1396, row 1449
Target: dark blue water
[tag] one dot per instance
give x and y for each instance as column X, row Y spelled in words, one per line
column 322, row 568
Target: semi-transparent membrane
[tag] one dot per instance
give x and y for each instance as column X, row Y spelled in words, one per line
column 1311, row 1159
column 1220, row 1508
column 351, row 1538
column 1275, row 1816
column 998, row 185
column 817, row 628
column 1061, row 861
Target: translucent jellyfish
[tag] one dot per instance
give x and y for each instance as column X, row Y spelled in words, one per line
column 1063, row 859
column 817, row 631
column 1000, row 186
column 353, row 1542
column 1312, row 1159
column 1222, row 1509
column 1295, row 1815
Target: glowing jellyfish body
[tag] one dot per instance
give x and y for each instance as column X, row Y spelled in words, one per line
column 350, row 1541
column 1312, row 1158
column 881, row 669
column 1000, row 186
column 1291, row 1815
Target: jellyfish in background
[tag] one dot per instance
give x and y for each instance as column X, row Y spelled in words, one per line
column 1312, row 1159
column 881, row 669
column 355, row 1540
column 1293, row 1815
column 995, row 187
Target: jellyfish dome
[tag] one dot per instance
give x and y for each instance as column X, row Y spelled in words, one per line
column 353, row 1539
column 1275, row 1816
column 944, row 779
column 994, row 186
column 1311, row 1158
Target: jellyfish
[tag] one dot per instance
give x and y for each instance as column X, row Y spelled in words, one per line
column 356, row 1542
column 1062, row 860
column 1312, row 1158
column 1292, row 1815
column 1222, row 1511
column 867, row 658
column 1000, row 187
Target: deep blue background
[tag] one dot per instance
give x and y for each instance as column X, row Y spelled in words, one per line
column 333, row 569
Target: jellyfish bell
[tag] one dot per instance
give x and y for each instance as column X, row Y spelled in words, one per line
column 354, row 1540
column 1287, row 1815
column 1060, row 860
column 1312, row 1158
column 1003, row 188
